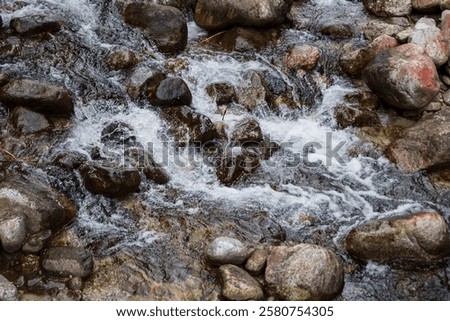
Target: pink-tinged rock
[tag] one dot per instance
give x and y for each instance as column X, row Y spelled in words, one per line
column 445, row 26
column 426, row 34
column 426, row 5
column 302, row 57
column 354, row 62
column 388, row 8
column 425, row 145
column 403, row 77
column 422, row 237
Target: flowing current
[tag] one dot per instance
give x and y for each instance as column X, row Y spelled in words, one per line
column 159, row 233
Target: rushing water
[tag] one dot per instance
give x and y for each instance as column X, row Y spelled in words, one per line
column 287, row 199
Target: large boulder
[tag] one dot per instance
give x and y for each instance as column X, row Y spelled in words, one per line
column 238, row 285
column 164, row 25
column 28, row 205
column 31, row 25
column 223, row 14
column 403, row 77
column 304, row 272
column 111, row 180
column 67, row 261
column 388, row 8
column 37, row 96
column 425, row 145
column 421, row 238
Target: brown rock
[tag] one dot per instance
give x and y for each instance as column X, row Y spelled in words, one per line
column 238, row 285
column 420, row 237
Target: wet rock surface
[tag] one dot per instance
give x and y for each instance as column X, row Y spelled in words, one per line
column 420, row 237
column 31, row 25
column 278, row 146
column 222, row 14
column 110, row 180
column 165, row 25
column 38, row 96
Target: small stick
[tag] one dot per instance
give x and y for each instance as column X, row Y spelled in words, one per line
column 8, row 153
column 215, row 35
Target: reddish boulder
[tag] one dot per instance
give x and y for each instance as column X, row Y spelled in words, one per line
column 388, row 8
column 403, row 77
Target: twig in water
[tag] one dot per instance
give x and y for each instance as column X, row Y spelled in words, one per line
column 8, row 153
column 209, row 38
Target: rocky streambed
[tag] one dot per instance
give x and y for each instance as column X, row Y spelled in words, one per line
column 224, row 150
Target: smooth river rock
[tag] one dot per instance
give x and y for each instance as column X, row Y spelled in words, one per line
column 420, row 238
column 238, row 285
column 304, row 272
column 226, row 250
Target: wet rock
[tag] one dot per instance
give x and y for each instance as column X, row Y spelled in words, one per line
column 4, row 79
column 31, row 25
column 415, row 148
column 426, row 34
column 144, row 80
column 188, row 126
column 8, row 291
column 357, row 110
column 252, row 93
column 354, row 62
column 304, row 272
column 403, row 77
column 173, row 92
column 244, row 39
column 222, row 93
column 69, row 160
column 238, row 285
column 110, row 180
column 37, row 96
column 420, row 237
column 31, row 196
column 164, row 25
column 144, row 161
column 223, row 14
column 28, row 122
column 447, row 97
column 388, row 8
column 236, row 164
column 67, row 261
column 303, row 57
column 336, row 30
column 388, row 26
column 118, row 133
column 426, row 5
column 226, row 250
column 35, row 243
column 256, row 262
column 13, row 231
column 122, row 59
column 445, row 4
column 248, row 131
